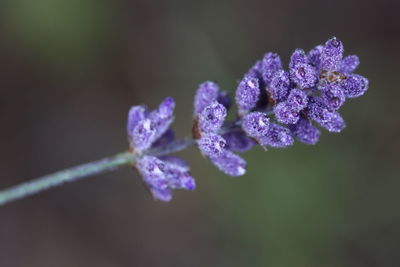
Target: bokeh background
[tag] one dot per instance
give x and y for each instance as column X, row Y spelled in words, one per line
column 70, row 70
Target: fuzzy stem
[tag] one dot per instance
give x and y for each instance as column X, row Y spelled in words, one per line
column 85, row 170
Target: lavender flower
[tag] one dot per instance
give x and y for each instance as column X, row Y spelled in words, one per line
column 314, row 55
column 305, row 132
column 349, row 64
column 205, row 95
column 279, row 86
column 247, row 94
column 212, row 145
column 230, row 164
column 163, row 175
column 333, row 96
column 320, row 112
column 238, row 141
column 274, row 107
column 302, row 73
column 276, row 136
column 151, row 130
column 354, row 86
column 212, row 117
column 331, row 55
column 297, row 99
column 298, row 57
column 255, row 124
column 271, row 63
column 207, row 125
column 286, row 113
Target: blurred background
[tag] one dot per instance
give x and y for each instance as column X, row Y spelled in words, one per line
column 70, row 70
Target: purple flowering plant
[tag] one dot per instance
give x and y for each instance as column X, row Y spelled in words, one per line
column 275, row 107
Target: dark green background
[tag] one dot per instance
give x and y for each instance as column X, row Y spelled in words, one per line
column 70, row 70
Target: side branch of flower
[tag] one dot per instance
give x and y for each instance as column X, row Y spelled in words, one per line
column 85, row 170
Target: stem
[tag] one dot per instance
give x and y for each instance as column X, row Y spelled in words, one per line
column 85, row 170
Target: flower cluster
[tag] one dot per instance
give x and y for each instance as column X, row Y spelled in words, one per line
column 275, row 106
column 210, row 113
column 314, row 87
column 149, row 130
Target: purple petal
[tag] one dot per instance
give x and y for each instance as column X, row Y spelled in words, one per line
column 136, row 114
column 224, row 99
column 333, row 96
column 286, row 113
column 298, row 99
column 165, row 139
column 230, row 164
column 247, row 94
column 143, row 135
column 212, row 117
column 164, row 195
column 153, row 171
column 305, row 132
column 279, row 86
column 298, row 57
column 176, row 162
column 212, row 145
column 162, row 117
column 206, row 94
column 304, row 75
column 276, row 136
column 349, row 64
column 314, row 56
column 238, row 141
column 255, row 124
column 355, row 86
column 332, row 54
column 319, row 112
column 271, row 63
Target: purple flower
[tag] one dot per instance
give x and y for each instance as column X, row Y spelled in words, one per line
column 271, row 63
column 297, row 99
column 212, row 117
column 163, row 117
column 206, row 94
column 230, row 164
column 143, row 135
column 349, row 64
column 276, row 136
column 314, row 56
column 333, row 96
column 304, row 75
column 355, row 86
column 274, row 107
column 212, row 145
column 247, row 94
column 224, row 99
column 237, row 141
column 162, row 175
column 255, row 124
column 305, row 132
column 286, row 113
column 135, row 115
column 164, row 139
column 319, row 112
column 298, row 57
column 332, row 54
column 144, row 127
column 279, row 86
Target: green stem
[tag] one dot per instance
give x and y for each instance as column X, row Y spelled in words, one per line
column 85, row 170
